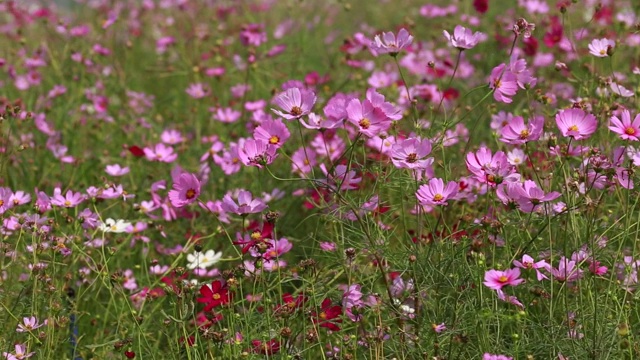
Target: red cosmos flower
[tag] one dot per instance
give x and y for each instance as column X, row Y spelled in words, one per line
column 328, row 316
column 481, row 6
column 136, row 151
column 290, row 304
column 553, row 36
column 130, row 354
column 171, row 279
column 214, row 295
column 265, row 348
column 255, row 237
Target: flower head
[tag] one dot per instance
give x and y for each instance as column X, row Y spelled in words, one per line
column 463, row 38
column 625, row 128
column 576, row 123
column 295, row 103
column 390, row 44
column 185, row 191
column 204, row 260
column 497, row 279
column 601, row 47
column 436, row 193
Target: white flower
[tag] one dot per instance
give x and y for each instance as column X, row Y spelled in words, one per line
column 115, row 226
column 203, row 260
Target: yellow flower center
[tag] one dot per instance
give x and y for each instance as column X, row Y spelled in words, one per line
column 67, row 203
column 274, row 140
column 216, row 296
column 411, row 158
column 524, row 134
column 256, row 235
column 503, row 279
column 573, row 128
column 603, row 52
column 438, row 197
column 630, row 131
column 364, row 123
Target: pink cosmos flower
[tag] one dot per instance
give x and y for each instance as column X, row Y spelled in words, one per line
column 436, row 193
column 497, row 279
column 257, row 153
column 516, row 132
column 229, row 162
column 601, row 47
column 411, row 154
column 273, row 132
column 160, row 152
column 171, row 137
column 518, row 67
column 529, row 263
column 246, row 204
column 197, row 90
column 462, row 37
column 378, row 101
column 116, row 170
column 504, row 84
column 576, row 123
column 303, row 161
column 70, row 199
column 369, row 120
column 389, row 44
column 627, row 129
column 19, row 198
column 185, row 190
column 488, row 168
column 29, row 324
column 295, row 103
column 567, row 270
column 531, row 196
column 226, row 115
column 340, row 178
column 487, row 356
column 19, row 354
column 253, row 34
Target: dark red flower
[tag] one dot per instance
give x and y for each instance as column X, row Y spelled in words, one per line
column 328, row 316
column 136, row 151
column 130, row 354
column 256, row 237
column 214, row 295
column 481, row 6
column 530, row 46
column 265, row 347
column 290, row 304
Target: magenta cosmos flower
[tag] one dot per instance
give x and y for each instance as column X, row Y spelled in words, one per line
column 370, row 120
column 516, row 132
column 295, row 103
column 185, row 191
column 70, row 199
column 257, row 153
column 497, row 279
column 411, row 154
column 531, row 196
column 488, row 168
column 390, row 44
column 436, row 193
column 274, row 132
column 246, row 204
column 576, row 123
column 504, row 84
column 601, row 47
column 462, row 37
column 625, row 128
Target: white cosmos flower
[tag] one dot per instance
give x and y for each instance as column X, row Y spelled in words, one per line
column 115, row 226
column 203, row 260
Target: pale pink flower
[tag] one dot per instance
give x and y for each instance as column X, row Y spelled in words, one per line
column 601, row 47
column 463, row 38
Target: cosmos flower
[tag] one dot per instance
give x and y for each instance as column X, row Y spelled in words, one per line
column 462, row 38
column 390, row 44
column 576, row 123
column 185, row 190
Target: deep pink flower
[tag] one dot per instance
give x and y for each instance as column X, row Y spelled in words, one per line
column 567, row 270
column 411, row 153
column 531, row 196
column 504, row 84
column 185, row 190
column 627, row 129
column 369, row 120
column 295, row 103
column 389, row 44
column 462, row 37
column 497, row 279
column 516, row 132
column 274, row 132
column 253, row 34
column 436, row 193
column 488, row 356
column 257, row 153
column 488, row 168
column 576, row 123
